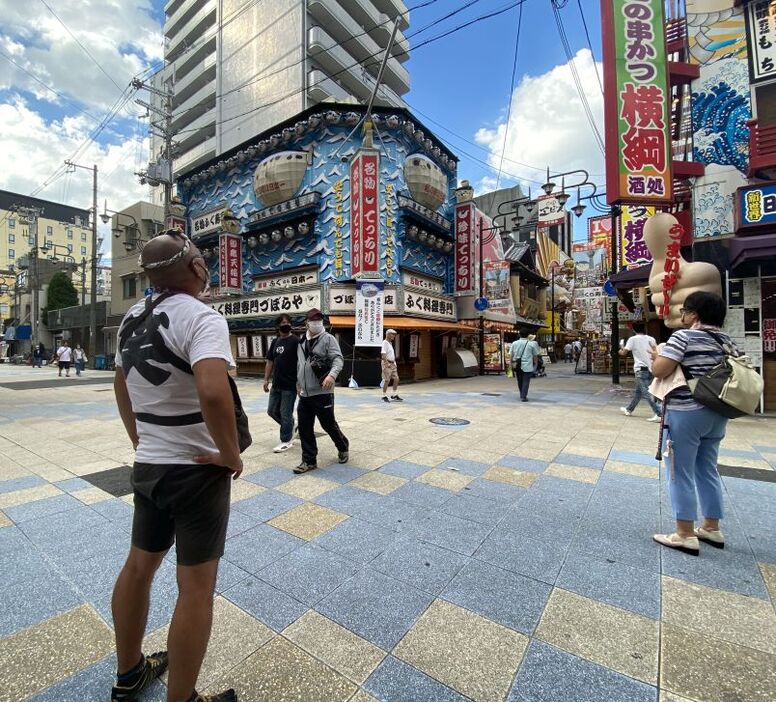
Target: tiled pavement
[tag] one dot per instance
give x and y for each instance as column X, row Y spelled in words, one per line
column 509, row 559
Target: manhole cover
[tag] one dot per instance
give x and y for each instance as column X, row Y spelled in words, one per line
column 491, row 394
column 449, row 421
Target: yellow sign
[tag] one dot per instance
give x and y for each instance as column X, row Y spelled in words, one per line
column 548, row 325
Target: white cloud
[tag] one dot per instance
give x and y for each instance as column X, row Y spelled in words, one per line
column 548, row 127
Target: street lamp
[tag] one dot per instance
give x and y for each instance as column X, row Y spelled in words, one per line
column 129, row 243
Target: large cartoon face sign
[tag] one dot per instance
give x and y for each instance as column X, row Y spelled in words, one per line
column 672, row 278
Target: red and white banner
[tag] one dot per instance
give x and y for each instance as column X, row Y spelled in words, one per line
column 465, row 282
column 230, row 263
column 364, row 215
column 551, row 212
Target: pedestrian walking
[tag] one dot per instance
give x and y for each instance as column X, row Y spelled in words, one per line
column 693, row 431
column 38, row 354
column 80, row 359
column 319, row 362
column 64, row 358
column 577, row 346
column 280, row 372
column 642, row 346
column 524, row 354
column 568, row 351
column 175, row 400
column 389, row 369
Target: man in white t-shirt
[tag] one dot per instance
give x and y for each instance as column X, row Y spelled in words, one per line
column 64, row 358
column 389, row 368
column 641, row 346
column 177, row 407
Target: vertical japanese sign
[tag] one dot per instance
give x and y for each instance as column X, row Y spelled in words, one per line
column 364, row 215
column 497, row 283
column 599, row 235
column 370, row 297
column 339, row 221
column 634, row 250
column 636, row 102
column 230, row 263
column 464, row 249
column 761, row 37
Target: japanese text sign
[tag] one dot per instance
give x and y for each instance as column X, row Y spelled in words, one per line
column 369, row 313
column 207, row 222
column 756, row 206
column 364, row 214
column 465, row 283
column 761, row 38
column 293, row 303
column 634, row 250
column 427, row 305
column 550, row 211
column 230, row 263
column 671, row 268
column 636, row 102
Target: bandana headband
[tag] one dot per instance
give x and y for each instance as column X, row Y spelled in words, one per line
column 165, row 263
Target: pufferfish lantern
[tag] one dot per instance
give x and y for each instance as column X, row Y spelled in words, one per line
column 229, row 223
column 671, row 278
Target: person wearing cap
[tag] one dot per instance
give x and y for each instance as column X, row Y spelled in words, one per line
column 176, row 404
column 319, row 362
column 390, row 371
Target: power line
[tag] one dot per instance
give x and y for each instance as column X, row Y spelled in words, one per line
column 511, row 95
column 590, row 44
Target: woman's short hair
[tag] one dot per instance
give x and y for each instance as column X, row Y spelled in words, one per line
column 282, row 318
column 709, row 307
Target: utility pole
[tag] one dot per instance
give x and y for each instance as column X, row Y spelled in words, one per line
column 614, row 212
column 83, row 298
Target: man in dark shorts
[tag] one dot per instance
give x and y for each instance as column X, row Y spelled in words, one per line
column 281, row 371
column 176, row 404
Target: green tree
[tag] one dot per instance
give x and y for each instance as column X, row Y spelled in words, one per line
column 61, row 293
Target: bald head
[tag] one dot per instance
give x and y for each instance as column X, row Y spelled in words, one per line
column 168, row 258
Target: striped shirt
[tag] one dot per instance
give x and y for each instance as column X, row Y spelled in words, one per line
column 698, row 352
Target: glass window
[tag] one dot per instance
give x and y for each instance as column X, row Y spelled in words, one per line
column 11, row 238
column 31, row 241
column 83, row 236
column 11, row 223
column 69, row 233
column 129, row 287
column 83, row 251
column 11, row 253
column 69, row 248
column 50, row 231
column 49, row 244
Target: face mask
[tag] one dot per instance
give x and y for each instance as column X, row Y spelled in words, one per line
column 203, row 274
column 285, row 328
column 315, row 327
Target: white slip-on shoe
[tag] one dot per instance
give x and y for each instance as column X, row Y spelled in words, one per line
column 626, row 411
column 654, row 418
column 713, row 537
column 688, row 545
column 283, row 446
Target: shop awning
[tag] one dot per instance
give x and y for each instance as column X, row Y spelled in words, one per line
column 632, row 278
column 752, row 248
column 403, row 323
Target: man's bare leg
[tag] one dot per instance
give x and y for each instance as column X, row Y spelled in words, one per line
column 190, row 628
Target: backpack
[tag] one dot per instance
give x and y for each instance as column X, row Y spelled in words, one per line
column 732, row 388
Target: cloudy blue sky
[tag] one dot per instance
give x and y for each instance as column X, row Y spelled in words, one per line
column 59, row 80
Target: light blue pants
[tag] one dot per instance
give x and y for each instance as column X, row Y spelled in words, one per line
column 691, row 465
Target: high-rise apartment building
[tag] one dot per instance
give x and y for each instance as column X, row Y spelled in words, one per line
column 237, row 67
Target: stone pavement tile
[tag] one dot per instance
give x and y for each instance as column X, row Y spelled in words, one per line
column 308, row 520
column 620, row 640
column 422, row 495
column 539, row 452
column 551, row 675
column 4, row 521
column 738, row 453
column 583, row 475
column 234, row 637
column 356, row 539
column 73, row 485
column 422, row 565
column 700, row 668
column 362, row 696
column 267, row 505
column 91, row 684
column 270, row 477
column 20, row 483
column 395, row 681
column 503, row 493
column 36, row 658
column 614, row 583
column 307, row 487
column 376, row 607
column 519, row 478
column 266, row 603
column 308, row 574
column 31, row 494
column 463, row 650
column 424, row 458
column 33, row 511
column 403, row 469
column 500, row 595
column 51, row 472
column 350, row 500
column 588, row 449
column 642, row 458
column 258, row 547
column 370, row 461
column 519, row 463
column 465, row 466
column 446, row 479
column 228, row 575
column 394, row 514
column 769, row 575
column 630, row 545
column 723, row 615
column 449, row 532
column 340, row 473
column 573, row 459
column 281, row 672
column 340, row 649
column 238, row 523
column 666, row 696
column 522, row 554
column 380, row 483
column 475, row 509
column 243, row 489
column 91, row 496
column 636, row 469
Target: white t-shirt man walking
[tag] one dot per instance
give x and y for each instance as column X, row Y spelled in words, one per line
column 641, row 346
column 64, row 359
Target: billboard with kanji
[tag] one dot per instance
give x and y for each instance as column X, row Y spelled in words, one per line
column 230, row 263
column 636, row 102
column 465, row 281
column 364, row 214
column 634, row 251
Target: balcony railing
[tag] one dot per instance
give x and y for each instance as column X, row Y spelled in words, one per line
column 762, row 147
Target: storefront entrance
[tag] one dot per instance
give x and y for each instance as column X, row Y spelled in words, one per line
column 769, row 342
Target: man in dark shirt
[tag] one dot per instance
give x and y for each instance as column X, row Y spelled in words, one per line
column 281, row 367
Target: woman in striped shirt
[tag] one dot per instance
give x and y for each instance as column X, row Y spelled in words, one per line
column 694, row 432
